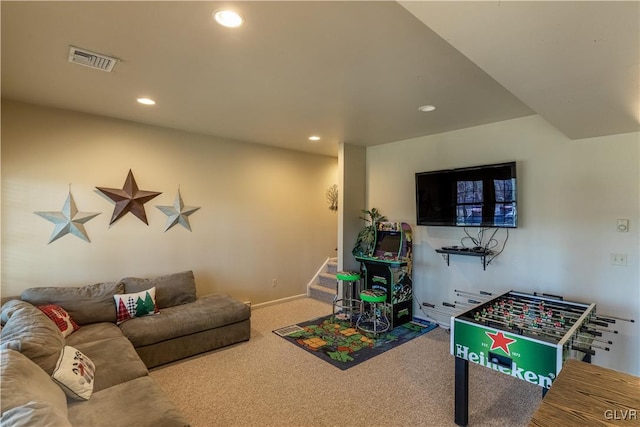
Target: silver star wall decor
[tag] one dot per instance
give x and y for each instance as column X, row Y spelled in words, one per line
column 68, row 220
column 178, row 213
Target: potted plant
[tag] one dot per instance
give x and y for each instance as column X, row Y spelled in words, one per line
column 366, row 238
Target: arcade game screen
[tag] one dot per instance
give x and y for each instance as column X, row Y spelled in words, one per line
column 388, row 242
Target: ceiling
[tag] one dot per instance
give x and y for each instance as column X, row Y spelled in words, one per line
column 353, row 72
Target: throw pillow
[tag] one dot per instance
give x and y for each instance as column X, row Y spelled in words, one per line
column 74, row 373
column 61, row 318
column 139, row 304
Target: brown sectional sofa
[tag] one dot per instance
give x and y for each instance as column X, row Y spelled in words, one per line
column 123, row 392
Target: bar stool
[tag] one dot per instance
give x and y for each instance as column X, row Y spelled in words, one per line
column 346, row 308
column 373, row 319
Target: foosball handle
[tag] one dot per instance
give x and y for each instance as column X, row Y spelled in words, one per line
column 485, row 293
column 591, row 332
column 558, row 297
column 584, row 350
column 612, row 319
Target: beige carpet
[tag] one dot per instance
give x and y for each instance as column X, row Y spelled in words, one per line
column 267, row 381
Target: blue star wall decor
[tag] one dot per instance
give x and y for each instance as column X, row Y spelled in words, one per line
column 128, row 199
column 178, row 213
column 68, row 220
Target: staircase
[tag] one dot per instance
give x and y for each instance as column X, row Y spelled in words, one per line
column 324, row 288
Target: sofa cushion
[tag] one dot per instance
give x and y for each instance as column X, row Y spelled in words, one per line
column 171, row 289
column 139, row 402
column 116, row 361
column 93, row 332
column 86, row 304
column 29, row 331
column 208, row 312
column 22, row 381
column 74, row 373
column 35, row 413
column 60, row 317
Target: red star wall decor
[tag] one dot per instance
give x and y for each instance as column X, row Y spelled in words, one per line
column 129, row 199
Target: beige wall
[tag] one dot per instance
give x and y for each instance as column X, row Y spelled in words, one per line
column 352, row 174
column 263, row 212
column 571, row 194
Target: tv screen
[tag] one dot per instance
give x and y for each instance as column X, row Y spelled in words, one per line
column 479, row 196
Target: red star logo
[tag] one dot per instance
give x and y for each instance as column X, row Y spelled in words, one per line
column 500, row 341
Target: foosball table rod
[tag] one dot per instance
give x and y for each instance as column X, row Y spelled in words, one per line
column 482, row 295
column 436, row 310
column 533, row 305
column 516, row 320
column 612, row 319
column 538, row 331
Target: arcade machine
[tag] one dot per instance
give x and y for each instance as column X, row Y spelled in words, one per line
column 526, row 336
column 389, row 268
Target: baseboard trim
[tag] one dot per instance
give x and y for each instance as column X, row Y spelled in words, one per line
column 278, row 301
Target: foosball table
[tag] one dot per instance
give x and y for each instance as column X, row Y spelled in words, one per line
column 526, row 336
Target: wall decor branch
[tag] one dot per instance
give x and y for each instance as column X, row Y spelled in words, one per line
column 332, row 197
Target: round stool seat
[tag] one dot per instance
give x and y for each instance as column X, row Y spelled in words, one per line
column 347, row 275
column 373, row 295
column 345, row 304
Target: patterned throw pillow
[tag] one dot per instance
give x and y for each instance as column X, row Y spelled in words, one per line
column 74, row 373
column 139, row 304
column 61, row 318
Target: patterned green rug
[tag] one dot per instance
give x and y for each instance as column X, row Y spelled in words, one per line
column 342, row 345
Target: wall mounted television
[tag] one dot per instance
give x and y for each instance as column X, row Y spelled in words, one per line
column 479, row 196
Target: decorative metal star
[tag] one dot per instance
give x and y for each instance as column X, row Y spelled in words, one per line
column 129, row 199
column 178, row 213
column 68, row 220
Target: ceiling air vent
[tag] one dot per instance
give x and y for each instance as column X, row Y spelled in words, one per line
column 91, row 59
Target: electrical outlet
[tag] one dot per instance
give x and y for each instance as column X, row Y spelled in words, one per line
column 274, row 283
column 618, row 259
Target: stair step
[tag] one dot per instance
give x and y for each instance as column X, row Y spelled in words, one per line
column 332, row 267
column 327, row 280
column 321, row 293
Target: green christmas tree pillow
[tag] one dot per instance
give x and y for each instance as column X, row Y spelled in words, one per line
column 139, row 304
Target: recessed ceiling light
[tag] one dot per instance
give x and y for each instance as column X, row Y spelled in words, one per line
column 314, row 138
column 146, row 101
column 228, row 18
column 426, row 108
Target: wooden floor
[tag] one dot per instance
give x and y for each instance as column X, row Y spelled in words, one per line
column 589, row 395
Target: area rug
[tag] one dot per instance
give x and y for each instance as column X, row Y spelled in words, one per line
column 340, row 344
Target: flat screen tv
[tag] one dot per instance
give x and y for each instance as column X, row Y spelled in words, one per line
column 479, row 196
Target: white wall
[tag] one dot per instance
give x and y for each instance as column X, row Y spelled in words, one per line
column 570, row 195
column 263, row 212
